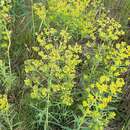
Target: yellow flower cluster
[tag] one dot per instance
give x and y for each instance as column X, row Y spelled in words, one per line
column 40, row 10
column 104, row 64
column 5, row 19
column 99, row 95
column 78, row 16
column 67, row 99
column 53, row 73
column 117, row 60
column 109, row 29
column 103, row 87
column 55, row 68
column 65, row 36
column 73, row 8
column 4, row 106
column 38, row 93
column 5, row 7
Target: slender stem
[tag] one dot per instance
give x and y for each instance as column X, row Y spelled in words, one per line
column 47, row 112
column 8, row 49
column 33, row 22
column 9, row 55
column 48, row 102
column 41, row 25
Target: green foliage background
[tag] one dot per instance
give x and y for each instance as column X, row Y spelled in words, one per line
column 62, row 64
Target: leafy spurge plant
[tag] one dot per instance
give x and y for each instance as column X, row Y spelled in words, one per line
column 52, row 75
column 53, row 72
column 102, row 78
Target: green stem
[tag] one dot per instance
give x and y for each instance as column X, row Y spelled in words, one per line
column 48, row 102
column 8, row 49
column 41, row 25
column 33, row 22
column 47, row 112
